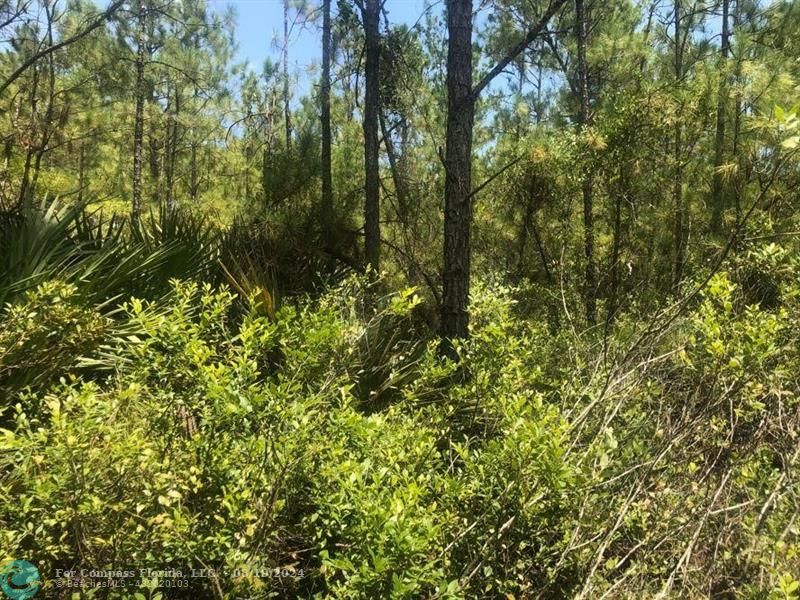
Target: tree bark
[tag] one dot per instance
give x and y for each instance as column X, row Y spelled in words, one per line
column 287, row 117
column 325, row 101
column 397, row 175
column 172, row 156
column 194, row 183
column 372, row 234
column 26, row 170
column 48, row 125
column 616, row 246
column 718, row 195
column 81, row 172
column 461, row 97
column 737, row 117
column 154, row 145
column 677, row 193
column 458, row 172
column 584, row 120
column 138, row 123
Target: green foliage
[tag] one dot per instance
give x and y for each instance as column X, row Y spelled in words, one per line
column 103, row 258
column 42, row 337
column 215, row 388
column 246, row 442
column 329, row 441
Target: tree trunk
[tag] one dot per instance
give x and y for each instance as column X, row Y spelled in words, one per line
column 172, row 156
column 153, row 148
column 458, row 172
column 48, row 124
column 325, row 101
column 286, row 115
column 372, row 234
column 677, row 193
column 138, row 122
column 461, row 97
column 397, row 175
column 24, row 196
column 737, row 118
column 584, row 119
column 194, row 184
column 81, row 172
column 718, row 195
column 616, row 247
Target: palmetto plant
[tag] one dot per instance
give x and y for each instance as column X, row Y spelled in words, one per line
column 105, row 258
column 65, row 271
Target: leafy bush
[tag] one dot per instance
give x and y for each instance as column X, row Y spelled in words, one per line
column 328, row 440
column 42, row 337
column 201, row 451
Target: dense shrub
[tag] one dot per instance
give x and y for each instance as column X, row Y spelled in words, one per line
column 202, row 451
column 327, row 439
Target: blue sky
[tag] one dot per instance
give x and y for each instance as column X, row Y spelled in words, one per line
column 259, row 32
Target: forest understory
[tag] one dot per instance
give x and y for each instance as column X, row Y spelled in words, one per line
column 492, row 301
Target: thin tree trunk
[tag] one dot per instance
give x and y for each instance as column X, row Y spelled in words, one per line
column 737, row 119
column 194, row 184
column 718, row 196
column 172, row 156
column 325, row 101
column 47, row 125
column 584, row 119
column 458, row 172
column 539, row 104
column 153, row 148
column 7, row 154
column 372, row 234
column 677, row 194
column 138, row 123
column 286, row 115
column 26, row 169
column 520, row 90
column 397, row 176
column 81, row 172
column 616, row 248
column 528, row 228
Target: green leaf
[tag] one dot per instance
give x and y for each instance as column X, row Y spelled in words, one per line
column 791, row 143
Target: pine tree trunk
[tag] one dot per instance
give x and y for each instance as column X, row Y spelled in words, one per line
column 372, row 234
column 153, row 148
column 81, row 172
column 138, row 122
column 458, row 172
column 194, row 184
column 397, row 176
column 172, row 156
column 677, row 194
column 286, row 115
column 584, row 119
column 24, row 195
column 718, row 196
column 48, row 125
column 616, row 247
column 325, row 101
column 737, row 116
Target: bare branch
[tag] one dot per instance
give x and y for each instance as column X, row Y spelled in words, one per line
column 532, row 34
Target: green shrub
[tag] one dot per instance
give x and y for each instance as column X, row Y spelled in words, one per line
column 329, row 440
column 43, row 337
